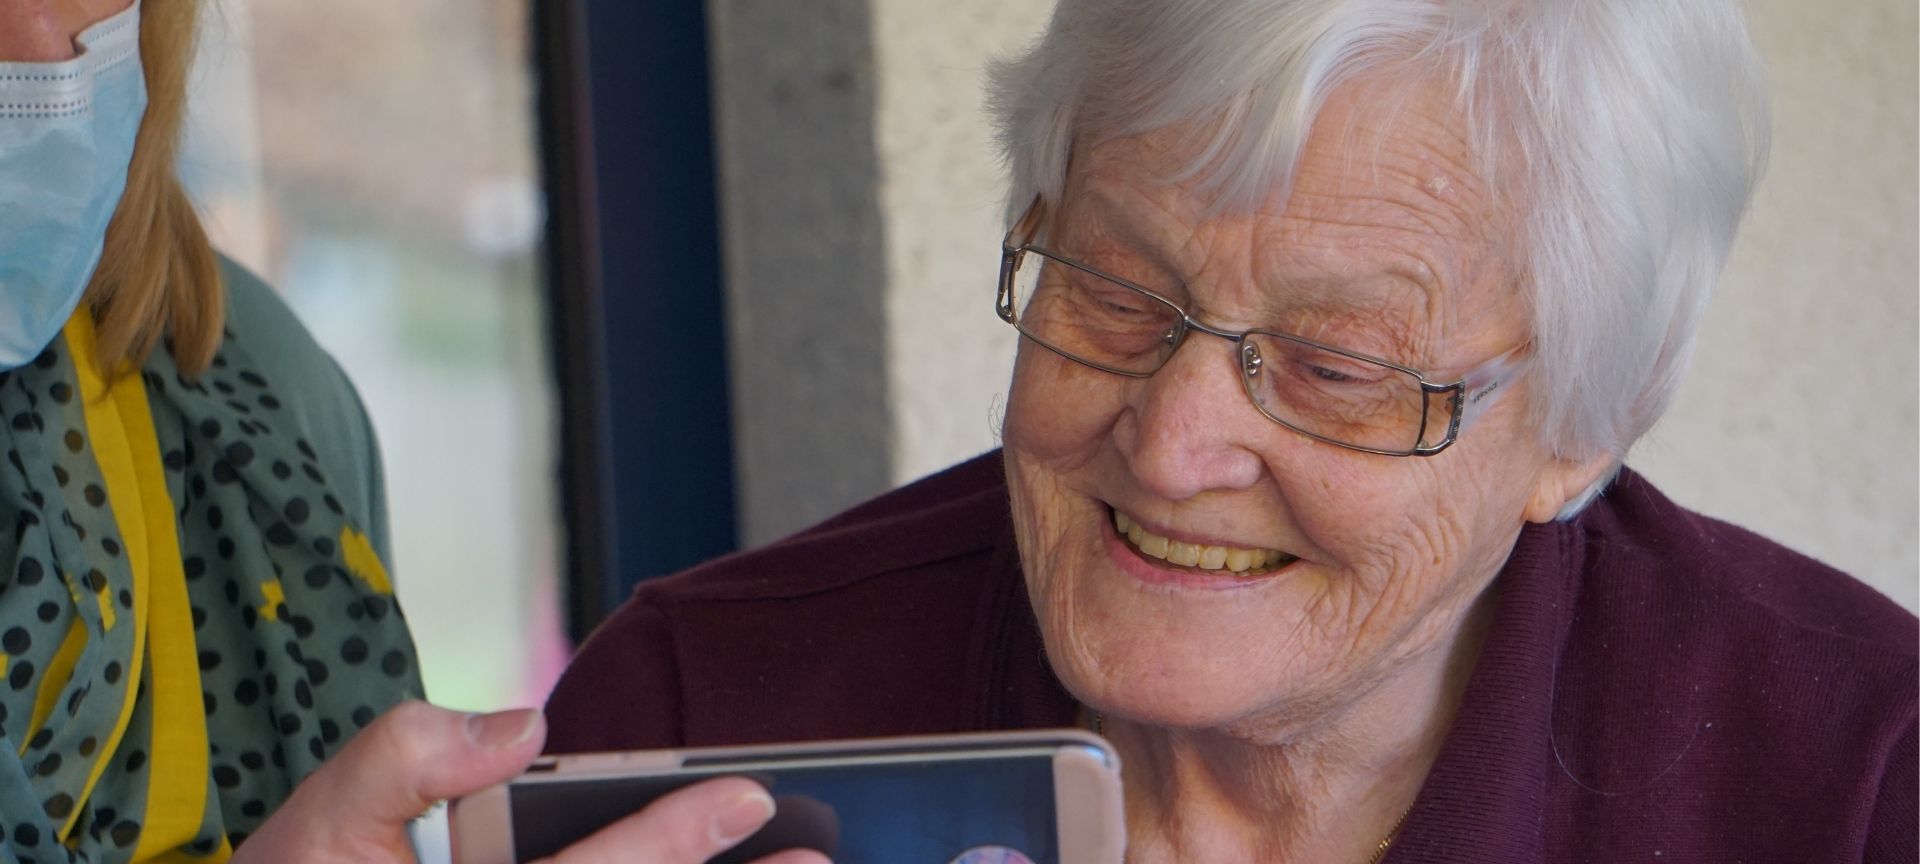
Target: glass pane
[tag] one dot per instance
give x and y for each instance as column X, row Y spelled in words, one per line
column 1092, row 317
column 375, row 162
column 1332, row 395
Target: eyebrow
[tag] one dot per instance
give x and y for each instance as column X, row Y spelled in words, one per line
column 1314, row 295
column 1339, row 311
column 1116, row 222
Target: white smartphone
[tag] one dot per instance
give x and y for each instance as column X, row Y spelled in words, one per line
column 1034, row 797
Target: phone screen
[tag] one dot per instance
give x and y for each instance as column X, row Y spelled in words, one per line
column 971, row 811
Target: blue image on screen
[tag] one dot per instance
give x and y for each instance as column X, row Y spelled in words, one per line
column 932, row 812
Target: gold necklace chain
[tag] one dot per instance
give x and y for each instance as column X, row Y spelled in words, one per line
column 1393, row 834
column 1379, row 852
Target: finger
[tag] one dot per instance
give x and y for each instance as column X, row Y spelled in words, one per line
column 796, row 856
column 688, row 826
column 361, row 800
column 417, row 754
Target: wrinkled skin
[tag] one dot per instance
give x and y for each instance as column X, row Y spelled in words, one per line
column 1291, row 716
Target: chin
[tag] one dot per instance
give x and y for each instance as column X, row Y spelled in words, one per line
column 1168, row 655
column 1174, row 695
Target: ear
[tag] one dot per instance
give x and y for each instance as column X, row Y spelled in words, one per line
column 1561, row 480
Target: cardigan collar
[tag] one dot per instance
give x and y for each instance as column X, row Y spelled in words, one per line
column 1485, row 798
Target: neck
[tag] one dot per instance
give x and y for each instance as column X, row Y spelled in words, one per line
column 1329, row 784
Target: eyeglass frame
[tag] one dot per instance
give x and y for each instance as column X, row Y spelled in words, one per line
column 1475, row 391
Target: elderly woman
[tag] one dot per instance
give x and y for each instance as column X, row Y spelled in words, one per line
column 1339, row 318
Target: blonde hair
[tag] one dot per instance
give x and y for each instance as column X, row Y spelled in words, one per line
column 158, row 275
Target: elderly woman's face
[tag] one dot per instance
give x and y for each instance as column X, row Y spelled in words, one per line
column 1388, row 245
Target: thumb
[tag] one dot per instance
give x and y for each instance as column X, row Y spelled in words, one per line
column 418, row 754
column 358, row 804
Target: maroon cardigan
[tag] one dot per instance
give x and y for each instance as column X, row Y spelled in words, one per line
column 1656, row 686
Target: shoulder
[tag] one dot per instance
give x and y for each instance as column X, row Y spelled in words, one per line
column 1708, row 667
column 260, row 323
column 851, row 627
column 959, row 512
column 1635, row 529
column 325, row 408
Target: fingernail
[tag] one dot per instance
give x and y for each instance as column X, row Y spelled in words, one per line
column 501, row 728
column 741, row 817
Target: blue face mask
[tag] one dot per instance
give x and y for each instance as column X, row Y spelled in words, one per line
column 66, row 138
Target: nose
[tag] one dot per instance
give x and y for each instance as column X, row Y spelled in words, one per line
column 41, row 31
column 1190, row 429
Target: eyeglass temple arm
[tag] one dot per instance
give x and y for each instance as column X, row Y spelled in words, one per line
column 1010, row 250
column 1481, row 388
column 1023, row 229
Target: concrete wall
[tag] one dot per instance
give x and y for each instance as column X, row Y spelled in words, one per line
column 1799, row 417
column 1799, row 420
column 805, row 257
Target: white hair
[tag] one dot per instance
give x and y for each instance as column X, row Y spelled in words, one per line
column 1632, row 133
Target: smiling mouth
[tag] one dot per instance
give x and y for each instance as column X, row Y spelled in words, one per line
column 1241, row 562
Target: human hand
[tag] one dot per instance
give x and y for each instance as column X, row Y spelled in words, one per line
column 356, row 807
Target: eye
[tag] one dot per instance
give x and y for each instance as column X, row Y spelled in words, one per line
column 1124, row 306
column 1332, row 375
column 1115, row 300
column 1323, row 368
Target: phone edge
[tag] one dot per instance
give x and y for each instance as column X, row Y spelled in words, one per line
column 480, row 827
column 575, row 766
column 1089, row 808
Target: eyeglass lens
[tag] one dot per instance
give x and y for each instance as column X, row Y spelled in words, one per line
column 1096, row 320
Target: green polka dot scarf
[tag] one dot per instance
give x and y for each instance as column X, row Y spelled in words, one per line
column 190, row 620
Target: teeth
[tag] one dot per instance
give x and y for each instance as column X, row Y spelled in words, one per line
column 1228, row 558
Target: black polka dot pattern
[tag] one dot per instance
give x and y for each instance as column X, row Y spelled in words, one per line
column 291, row 654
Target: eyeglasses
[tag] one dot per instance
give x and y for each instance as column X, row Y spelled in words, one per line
column 1331, row 394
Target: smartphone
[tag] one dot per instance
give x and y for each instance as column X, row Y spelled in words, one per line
column 1031, row 797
